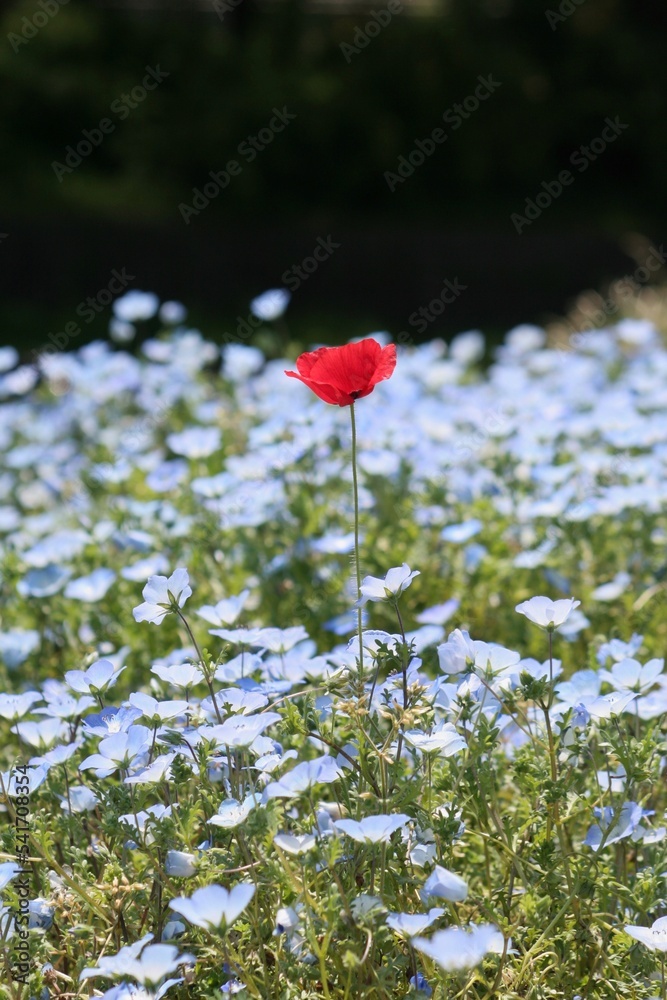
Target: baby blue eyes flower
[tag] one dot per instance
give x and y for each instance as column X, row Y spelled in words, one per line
column 156, row 961
column 410, row 924
column 372, row 829
column 226, row 611
column 443, row 884
column 172, row 312
column 8, row 869
column 239, row 730
column 232, row 987
column 459, row 533
column 444, row 740
column 80, row 799
column 397, row 579
column 17, row 645
column 214, row 907
column 43, row 582
column 322, row 770
column 232, row 813
column 611, row 830
column 654, row 937
column 14, row 706
column 181, row 675
column 9, row 358
column 295, row 844
column 270, row 305
column 420, row 983
column 180, row 864
column 92, row 588
column 122, row 750
column 546, row 613
column 457, row 949
column 135, row 306
column 163, row 595
column 195, row 442
column 41, row 914
column 629, row 674
column 99, row 677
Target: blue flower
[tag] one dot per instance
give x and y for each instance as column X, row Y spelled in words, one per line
column 420, row 983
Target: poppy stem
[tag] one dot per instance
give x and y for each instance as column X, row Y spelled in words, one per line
column 355, row 496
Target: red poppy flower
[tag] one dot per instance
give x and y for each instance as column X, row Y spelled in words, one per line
column 339, row 375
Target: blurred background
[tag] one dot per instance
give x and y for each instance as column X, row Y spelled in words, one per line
column 210, row 147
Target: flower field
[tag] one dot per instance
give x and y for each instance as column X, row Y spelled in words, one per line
column 295, row 705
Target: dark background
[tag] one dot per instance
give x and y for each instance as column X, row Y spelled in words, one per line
column 324, row 174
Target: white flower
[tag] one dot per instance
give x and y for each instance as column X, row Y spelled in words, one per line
column 195, row 442
column 8, row 869
column 372, row 829
column 457, row 654
column 287, row 920
column 239, row 730
column 322, row 770
column 183, row 675
column 98, row 678
column 409, row 924
column 13, row 706
column 9, row 357
column 444, row 740
column 457, row 949
column 226, row 611
column 156, row 962
column 153, row 709
column 135, row 305
column 180, row 864
column 162, row 595
column 81, row 799
column 612, row 827
column 294, row 844
column 147, row 818
column 444, row 884
column 90, row 588
column 654, row 937
column 120, row 331
column 630, row 675
column 214, row 907
column 172, row 313
column 125, row 750
column 232, row 813
column 270, row 305
column 158, row 770
column 546, row 613
column 397, row 579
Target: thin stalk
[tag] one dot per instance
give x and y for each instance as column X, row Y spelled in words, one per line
column 357, row 563
column 202, row 661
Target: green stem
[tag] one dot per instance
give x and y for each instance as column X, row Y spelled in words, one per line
column 204, row 667
column 357, row 563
